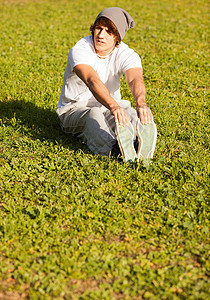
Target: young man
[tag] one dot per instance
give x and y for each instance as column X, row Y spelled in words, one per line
column 90, row 105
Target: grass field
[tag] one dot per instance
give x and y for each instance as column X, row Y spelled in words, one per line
column 78, row 226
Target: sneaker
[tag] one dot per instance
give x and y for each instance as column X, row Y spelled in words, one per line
column 125, row 137
column 147, row 135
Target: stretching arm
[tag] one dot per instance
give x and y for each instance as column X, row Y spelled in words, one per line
column 135, row 81
column 89, row 76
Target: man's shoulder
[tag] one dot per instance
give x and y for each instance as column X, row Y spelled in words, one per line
column 125, row 48
column 82, row 52
column 85, row 42
column 127, row 57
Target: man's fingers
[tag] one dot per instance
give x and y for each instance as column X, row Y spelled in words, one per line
column 121, row 116
column 145, row 114
column 124, row 118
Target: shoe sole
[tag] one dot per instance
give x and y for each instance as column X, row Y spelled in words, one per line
column 125, row 137
column 147, row 136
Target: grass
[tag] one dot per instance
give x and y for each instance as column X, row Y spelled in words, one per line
column 78, row 226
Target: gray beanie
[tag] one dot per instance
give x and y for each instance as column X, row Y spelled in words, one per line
column 121, row 19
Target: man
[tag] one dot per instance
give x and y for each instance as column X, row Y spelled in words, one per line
column 90, row 105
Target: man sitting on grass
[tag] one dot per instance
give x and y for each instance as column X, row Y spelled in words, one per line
column 90, row 105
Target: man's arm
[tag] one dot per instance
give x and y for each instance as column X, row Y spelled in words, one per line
column 89, row 76
column 134, row 77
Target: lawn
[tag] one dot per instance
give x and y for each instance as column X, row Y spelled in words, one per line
column 78, row 226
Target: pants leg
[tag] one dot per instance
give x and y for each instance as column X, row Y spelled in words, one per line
column 89, row 124
column 95, row 125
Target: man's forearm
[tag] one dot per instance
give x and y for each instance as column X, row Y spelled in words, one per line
column 138, row 91
column 101, row 93
column 136, row 83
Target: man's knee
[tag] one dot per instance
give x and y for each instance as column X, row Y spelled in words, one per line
column 95, row 113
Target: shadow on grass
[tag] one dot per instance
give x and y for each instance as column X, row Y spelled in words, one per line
column 38, row 122
column 43, row 124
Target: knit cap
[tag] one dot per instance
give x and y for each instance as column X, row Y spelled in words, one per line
column 121, row 19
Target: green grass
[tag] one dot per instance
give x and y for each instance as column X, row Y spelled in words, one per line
column 78, row 226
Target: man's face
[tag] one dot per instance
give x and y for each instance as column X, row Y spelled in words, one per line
column 104, row 40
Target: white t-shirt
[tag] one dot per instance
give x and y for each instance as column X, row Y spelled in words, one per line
column 109, row 70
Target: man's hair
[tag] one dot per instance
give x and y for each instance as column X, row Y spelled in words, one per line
column 105, row 22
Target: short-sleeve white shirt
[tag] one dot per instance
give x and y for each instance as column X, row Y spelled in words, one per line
column 109, row 69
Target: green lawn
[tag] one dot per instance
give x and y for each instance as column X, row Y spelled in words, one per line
column 78, row 226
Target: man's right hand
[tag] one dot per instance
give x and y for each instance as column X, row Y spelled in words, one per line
column 120, row 115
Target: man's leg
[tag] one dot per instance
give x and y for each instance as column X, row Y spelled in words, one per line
column 125, row 135
column 89, row 124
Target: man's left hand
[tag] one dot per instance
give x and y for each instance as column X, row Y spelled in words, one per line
column 144, row 113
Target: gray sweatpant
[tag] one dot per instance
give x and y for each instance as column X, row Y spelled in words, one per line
column 94, row 125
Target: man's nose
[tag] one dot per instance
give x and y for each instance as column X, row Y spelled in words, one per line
column 101, row 33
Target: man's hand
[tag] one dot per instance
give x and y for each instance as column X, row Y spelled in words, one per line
column 145, row 114
column 120, row 115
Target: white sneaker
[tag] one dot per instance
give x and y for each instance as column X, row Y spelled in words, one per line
column 147, row 136
column 125, row 137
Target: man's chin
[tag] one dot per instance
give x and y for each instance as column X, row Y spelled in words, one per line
column 99, row 46
column 99, row 49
